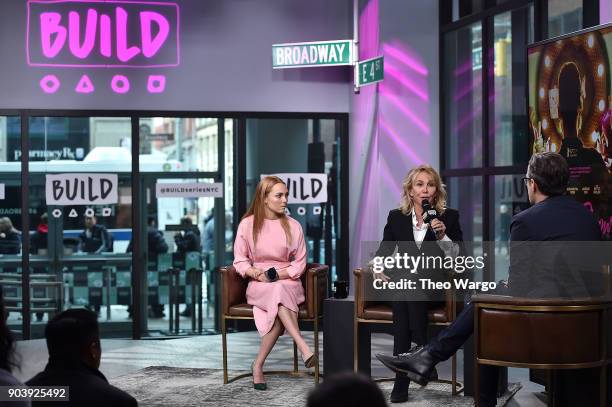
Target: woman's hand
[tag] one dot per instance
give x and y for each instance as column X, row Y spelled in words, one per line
column 439, row 228
column 257, row 274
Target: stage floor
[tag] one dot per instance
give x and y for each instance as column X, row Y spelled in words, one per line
column 123, row 356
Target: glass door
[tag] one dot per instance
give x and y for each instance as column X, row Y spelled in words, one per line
column 81, row 220
column 186, row 231
column 10, row 221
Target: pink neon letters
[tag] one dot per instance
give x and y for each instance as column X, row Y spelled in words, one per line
column 102, row 34
column 49, row 25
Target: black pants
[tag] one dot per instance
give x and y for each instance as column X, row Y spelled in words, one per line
column 409, row 324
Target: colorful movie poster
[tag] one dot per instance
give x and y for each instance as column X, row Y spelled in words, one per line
column 570, row 113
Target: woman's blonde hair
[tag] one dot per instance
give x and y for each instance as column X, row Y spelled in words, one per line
column 258, row 210
column 439, row 199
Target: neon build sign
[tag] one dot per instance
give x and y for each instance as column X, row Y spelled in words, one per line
column 108, row 34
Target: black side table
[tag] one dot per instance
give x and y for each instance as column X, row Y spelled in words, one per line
column 338, row 317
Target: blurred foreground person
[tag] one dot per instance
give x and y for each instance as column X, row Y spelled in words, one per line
column 73, row 341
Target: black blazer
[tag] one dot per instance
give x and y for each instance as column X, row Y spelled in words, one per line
column 545, row 260
column 399, row 228
column 398, row 233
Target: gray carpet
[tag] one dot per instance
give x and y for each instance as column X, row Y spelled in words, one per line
column 170, row 386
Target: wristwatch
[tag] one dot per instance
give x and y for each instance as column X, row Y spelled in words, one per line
column 272, row 274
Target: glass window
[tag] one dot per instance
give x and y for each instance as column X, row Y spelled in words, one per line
column 320, row 139
column 564, row 16
column 463, row 102
column 508, row 117
column 10, row 219
column 84, row 246
column 510, row 197
column 178, row 144
column 465, row 195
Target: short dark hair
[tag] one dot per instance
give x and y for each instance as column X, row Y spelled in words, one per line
column 550, row 171
column 70, row 332
column 346, row 390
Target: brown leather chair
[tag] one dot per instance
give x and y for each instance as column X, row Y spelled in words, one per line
column 234, row 306
column 523, row 332
column 370, row 312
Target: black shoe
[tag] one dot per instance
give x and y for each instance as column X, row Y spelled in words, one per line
column 399, row 394
column 417, row 365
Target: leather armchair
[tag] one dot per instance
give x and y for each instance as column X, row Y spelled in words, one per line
column 371, row 312
column 234, row 306
column 525, row 332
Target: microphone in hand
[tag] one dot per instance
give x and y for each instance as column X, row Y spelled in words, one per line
column 429, row 213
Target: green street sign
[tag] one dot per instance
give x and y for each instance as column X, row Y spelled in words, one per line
column 320, row 53
column 370, row 71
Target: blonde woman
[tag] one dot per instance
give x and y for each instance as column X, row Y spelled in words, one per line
column 406, row 230
column 270, row 251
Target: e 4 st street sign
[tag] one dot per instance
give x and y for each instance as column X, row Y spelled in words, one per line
column 320, row 53
column 370, row 71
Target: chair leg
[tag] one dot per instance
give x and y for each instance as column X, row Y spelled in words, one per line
column 602, row 386
column 551, row 388
column 316, row 346
column 355, row 345
column 454, row 373
column 476, row 384
column 295, row 358
column 224, row 346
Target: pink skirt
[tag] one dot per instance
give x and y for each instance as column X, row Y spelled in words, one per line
column 266, row 297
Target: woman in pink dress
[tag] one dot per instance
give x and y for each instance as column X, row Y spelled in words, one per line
column 267, row 238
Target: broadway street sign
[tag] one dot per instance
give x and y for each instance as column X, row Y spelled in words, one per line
column 320, row 53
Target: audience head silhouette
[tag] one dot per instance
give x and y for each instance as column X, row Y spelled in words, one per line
column 346, row 390
column 73, row 336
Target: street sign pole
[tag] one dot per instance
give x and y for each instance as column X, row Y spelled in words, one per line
column 356, row 43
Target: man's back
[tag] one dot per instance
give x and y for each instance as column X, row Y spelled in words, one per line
column 556, row 218
column 548, row 244
column 87, row 387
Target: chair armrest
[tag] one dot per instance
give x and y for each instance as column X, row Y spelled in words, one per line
column 359, row 291
column 233, row 288
column 509, row 300
column 312, row 292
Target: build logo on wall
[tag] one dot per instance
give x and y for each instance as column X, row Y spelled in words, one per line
column 123, row 37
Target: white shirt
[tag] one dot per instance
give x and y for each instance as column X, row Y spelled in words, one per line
column 446, row 244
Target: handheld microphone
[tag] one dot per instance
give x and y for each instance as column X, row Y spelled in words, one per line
column 429, row 213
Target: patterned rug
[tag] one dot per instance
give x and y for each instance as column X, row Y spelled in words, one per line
column 170, row 386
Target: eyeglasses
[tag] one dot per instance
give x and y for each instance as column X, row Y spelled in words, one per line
column 526, row 180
